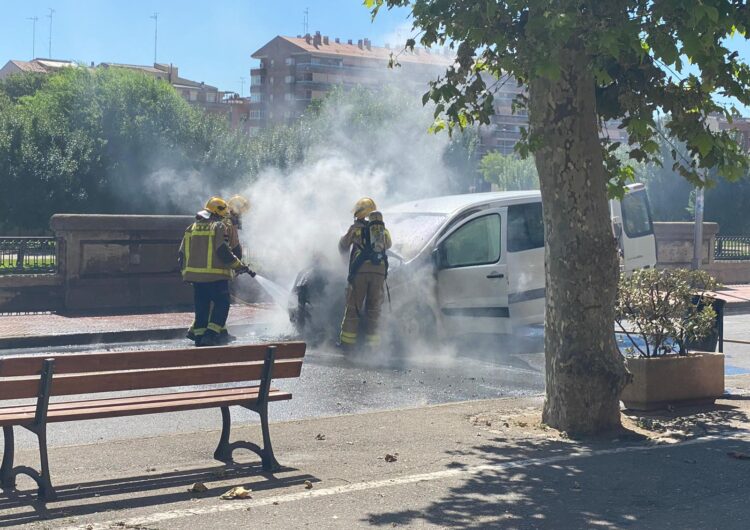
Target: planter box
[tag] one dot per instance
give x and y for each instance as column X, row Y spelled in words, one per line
column 697, row 378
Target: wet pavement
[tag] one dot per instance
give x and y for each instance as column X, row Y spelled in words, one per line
column 334, row 384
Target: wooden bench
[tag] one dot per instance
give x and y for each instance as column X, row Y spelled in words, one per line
column 44, row 377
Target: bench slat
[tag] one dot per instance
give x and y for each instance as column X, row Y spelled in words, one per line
column 135, row 409
column 141, row 360
column 150, row 398
column 72, row 384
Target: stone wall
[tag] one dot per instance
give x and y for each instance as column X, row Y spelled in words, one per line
column 674, row 249
column 120, row 261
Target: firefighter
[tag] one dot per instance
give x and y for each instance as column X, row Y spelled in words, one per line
column 366, row 241
column 238, row 206
column 208, row 263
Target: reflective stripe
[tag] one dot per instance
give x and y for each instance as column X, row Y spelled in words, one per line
column 214, row 327
column 198, row 331
column 372, row 339
column 348, row 338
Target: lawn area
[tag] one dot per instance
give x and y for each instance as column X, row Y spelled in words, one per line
column 30, row 263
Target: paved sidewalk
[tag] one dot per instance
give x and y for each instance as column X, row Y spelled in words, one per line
column 18, row 331
column 737, row 298
column 474, row 465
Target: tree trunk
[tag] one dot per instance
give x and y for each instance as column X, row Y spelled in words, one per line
column 585, row 373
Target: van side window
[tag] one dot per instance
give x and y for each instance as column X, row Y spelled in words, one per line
column 525, row 227
column 475, row 243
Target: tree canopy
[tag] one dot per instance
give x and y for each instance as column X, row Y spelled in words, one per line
column 585, row 62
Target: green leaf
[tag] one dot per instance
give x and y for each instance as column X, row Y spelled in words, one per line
column 704, row 142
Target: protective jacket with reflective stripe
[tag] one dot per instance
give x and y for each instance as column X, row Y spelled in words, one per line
column 205, row 254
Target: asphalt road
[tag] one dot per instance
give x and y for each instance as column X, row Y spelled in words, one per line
column 334, row 384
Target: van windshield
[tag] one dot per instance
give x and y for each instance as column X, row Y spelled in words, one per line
column 411, row 231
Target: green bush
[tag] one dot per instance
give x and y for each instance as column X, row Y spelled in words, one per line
column 668, row 308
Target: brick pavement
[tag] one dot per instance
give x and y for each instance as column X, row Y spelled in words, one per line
column 56, row 324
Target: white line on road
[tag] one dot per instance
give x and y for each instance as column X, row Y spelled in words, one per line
column 156, row 518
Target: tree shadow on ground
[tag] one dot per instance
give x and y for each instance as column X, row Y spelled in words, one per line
column 22, row 507
column 610, row 482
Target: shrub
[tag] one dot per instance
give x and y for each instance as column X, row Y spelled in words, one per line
column 669, row 309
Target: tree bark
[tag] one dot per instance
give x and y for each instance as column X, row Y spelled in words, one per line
column 585, row 372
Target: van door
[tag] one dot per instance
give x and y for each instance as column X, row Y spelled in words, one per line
column 525, row 258
column 634, row 230
column 472, row 282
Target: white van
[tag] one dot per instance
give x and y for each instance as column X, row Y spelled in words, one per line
column 475, row 263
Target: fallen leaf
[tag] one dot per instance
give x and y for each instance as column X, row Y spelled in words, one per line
column 308, row 485
column 275, row 503
column 198, row 487
column 320, row 437
column 390, row 458
column 738, row 455
column 237, row 492
column 522, row 424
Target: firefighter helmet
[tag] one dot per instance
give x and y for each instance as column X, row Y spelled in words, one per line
column 238, row 205
column 217, row 206
column 364, row 207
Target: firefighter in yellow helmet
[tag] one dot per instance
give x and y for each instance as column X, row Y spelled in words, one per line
column 367, row 241
column 208, row 263
column 238, row 206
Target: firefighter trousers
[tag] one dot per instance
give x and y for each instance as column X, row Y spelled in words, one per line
column 364, row 297
column 211, row 301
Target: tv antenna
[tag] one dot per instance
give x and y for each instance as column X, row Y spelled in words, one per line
column 242, row 86
column 51, row 12
column 306, row 21
column 33, row 35
column 155, row 17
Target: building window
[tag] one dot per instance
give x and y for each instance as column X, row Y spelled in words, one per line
column 211, row 97
column 270, row 80
column 193, row 95
column 256, row 98
column 271, row 62
column 289, row 79
column 257, row 114
column 270, row 97
column 289, row 96
column 289, row 61
column 256, row 80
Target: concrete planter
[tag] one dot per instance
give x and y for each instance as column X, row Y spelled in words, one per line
column 674, row 380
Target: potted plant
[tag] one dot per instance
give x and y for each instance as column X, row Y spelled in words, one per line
column 660, row 314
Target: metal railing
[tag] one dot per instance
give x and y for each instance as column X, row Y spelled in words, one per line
column 732, row 248
column 28, row 255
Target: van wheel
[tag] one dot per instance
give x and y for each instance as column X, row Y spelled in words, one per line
column 415, row 325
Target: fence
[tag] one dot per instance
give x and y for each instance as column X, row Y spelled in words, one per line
column 732, row 248
column 28, row 255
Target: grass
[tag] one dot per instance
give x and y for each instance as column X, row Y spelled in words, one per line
column 31, row 262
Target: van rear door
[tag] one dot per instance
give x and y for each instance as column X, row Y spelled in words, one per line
column 634, row 229
column 472, row 282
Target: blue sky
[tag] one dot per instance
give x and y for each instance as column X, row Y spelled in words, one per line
column 209, row 40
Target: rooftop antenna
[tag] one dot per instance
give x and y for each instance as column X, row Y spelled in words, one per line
column 306, row 21
column 242, row 86
column 155, row 16
column 51, row 12
column 33, row 35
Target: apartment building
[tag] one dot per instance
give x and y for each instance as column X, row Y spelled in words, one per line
column 294, row 71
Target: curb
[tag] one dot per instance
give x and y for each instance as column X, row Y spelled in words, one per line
column 105, row 337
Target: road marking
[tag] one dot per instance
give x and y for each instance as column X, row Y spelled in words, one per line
column 156, row 518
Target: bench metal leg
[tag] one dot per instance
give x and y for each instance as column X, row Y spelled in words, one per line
column 269, row 460
column 223, row 452
column 8, row 473
column 46, row 491
column 225, row 449
column 7, row 480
